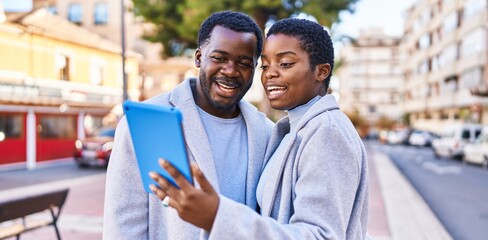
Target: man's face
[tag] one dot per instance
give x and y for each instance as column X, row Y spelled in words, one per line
column 226, row 61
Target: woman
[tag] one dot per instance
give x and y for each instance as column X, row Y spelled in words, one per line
column 315, row 182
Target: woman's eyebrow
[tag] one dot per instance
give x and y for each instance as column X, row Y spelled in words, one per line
column 284, row 53
column 280, row 54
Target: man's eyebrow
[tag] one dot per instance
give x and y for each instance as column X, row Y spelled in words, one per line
column 220, row 51
column 239, row 57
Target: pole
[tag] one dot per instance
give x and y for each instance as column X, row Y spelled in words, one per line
column 124, row 75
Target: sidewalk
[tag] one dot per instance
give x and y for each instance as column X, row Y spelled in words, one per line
column 396, row 211
column 81, row 216
column 395, row 201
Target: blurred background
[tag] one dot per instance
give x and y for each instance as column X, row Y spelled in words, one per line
column 411, row 75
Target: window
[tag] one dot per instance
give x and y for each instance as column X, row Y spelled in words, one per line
column 471, row 78
column 101, row 13
column 92, row 124
column 97, row 71
column 450, row 22
column 465, row 134
column 75, row 13
column 57, row 127
column 472, row 7
column 448, row 55
column 435, row 65
column 62, row 67
column 450, row 85
column 474, row 42
column 53, row 10
column 424, row 67
column 356, row 96
column 10, row 126
column 371, row 108
column 424, row 41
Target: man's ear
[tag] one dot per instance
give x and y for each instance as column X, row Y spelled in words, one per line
column 323, row 71
column 198, row 57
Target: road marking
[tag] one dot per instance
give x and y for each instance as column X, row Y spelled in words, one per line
column 440, row 170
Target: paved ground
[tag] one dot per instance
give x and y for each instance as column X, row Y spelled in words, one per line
column 396, row 210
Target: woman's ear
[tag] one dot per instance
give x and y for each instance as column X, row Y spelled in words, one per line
column 198, row 56
column 323, row 71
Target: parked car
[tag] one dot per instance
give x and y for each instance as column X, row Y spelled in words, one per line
column 398, row 136
column 455, row 137
column 421, row 138
column 96, row 150
column 477, row 152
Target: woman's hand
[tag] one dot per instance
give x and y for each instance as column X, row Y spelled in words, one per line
column 196, row 206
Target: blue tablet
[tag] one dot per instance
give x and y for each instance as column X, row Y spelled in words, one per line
column 156, row 132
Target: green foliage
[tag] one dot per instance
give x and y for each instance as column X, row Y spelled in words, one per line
column 176, row 22
column 385, row 122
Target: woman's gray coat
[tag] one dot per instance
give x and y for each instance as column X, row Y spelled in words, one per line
column 319, row 192
column 131, row 213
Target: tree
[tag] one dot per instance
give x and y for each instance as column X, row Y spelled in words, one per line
column 176, row 22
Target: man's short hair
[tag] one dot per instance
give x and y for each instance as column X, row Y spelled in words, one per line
column 235, row 21
column 313, row 38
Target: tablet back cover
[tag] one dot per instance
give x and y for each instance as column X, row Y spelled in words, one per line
column 156, row 132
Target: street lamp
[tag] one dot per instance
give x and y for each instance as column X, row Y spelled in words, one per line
column 124, row 75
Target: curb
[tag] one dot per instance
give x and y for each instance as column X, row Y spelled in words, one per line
column 409, row 216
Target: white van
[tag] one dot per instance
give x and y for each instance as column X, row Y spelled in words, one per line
column 454, row 138
column 477, row 152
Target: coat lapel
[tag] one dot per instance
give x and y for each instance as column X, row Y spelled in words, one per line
column 282, row 127
column 195, row 134
column 256, row 142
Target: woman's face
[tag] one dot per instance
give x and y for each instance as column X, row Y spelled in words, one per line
column 287, row 77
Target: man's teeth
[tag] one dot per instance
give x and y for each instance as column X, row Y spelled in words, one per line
column 226, row 86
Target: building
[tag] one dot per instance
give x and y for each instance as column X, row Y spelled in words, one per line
column 446, row 77
column 370, row 76
column 57, row 83
column 104, row 18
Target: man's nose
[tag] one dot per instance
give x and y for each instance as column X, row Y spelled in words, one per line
column 229, row 69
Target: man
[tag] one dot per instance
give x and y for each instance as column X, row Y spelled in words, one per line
column 226, row 136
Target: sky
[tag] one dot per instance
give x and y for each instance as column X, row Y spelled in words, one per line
column 17, row 5
column 387, row 14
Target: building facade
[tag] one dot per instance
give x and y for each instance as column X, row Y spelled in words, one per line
column 370, row 75
column 58, row 82
column 446, row 77
column 104, row 18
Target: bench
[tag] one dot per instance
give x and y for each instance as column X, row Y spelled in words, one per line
column 20, row 208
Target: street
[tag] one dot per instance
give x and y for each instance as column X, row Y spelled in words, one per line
column 82, row 215
column 456, row 192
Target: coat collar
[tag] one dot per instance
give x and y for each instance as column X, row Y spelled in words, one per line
column 198, row 143
column 195, row 135
column 282, row 127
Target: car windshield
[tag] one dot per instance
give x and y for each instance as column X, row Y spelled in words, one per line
column 108, row 132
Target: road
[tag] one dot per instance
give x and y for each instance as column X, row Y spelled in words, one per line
column 54, row 172
column 456, row 192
